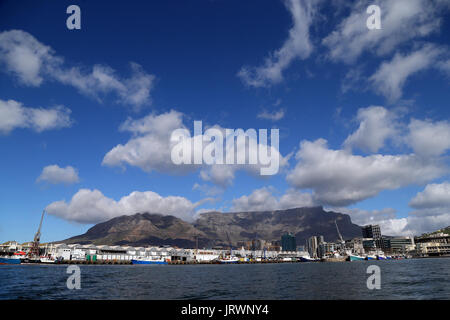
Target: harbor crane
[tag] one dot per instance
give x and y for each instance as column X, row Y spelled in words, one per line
column 34, row 251
column 340, row 236
column 229, row 241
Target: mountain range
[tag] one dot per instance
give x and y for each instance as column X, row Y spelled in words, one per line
column 219, row 229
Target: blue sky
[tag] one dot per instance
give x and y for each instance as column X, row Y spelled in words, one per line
column 378, row 97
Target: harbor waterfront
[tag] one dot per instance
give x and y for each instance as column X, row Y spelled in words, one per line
column 373, row 246
column 400, row 279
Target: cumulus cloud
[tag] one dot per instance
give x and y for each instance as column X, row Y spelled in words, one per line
column 263, row 199
column 339, row 178
column 14, row 115
column 91, row 206
column 402, row 21
column 221, row 175
column 385, row 218
column 273, row 116
column 33, row 62
column 376, row 125
column 412, row 225
column 150, row 149
column 55, row 175
column 391, row 76
column 429, row 138
column 297, row 46
column 433, row 196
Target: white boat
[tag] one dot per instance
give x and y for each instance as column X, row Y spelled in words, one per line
column 149, row 260
column 47, row 260
column 228, row 260
column 355, row 257
column 308, row 259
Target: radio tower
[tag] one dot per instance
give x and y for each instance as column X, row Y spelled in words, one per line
column 34, row 251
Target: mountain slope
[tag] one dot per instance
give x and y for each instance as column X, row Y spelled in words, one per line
column 270, row 225
column 211, row 228
column 140, row 230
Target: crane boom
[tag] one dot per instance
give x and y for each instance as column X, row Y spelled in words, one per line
column 37, row 237
column 34, row 251
column 337, row 228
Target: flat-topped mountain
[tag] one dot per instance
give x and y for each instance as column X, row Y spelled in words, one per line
column 211, row 228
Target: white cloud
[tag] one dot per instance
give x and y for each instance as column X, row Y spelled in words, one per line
column 412, row 225
column 297, row 46
column 434, row 196
column 402, row 21
column 14, row 115
column 263, row 200
column 391, row 76
column 376, row 125
column 390, row 225
column 273, row 116
column 32, row 62
column 339, row 178
column 224, row 174
column 444, row 66
column 150, row 149
column 429, row 138
column 208, row 190
column 55, row 175
column 221, row 175
column 91, row 206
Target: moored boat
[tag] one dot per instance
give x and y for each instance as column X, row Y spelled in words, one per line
column 149, row 260
column 47, row 260
column 371, row 257
column 354, row 257
column 308, row 259
column 229, row 260
column 10, row 260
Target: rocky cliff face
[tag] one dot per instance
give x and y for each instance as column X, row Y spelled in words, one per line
column 270, row 225
column 211, row 228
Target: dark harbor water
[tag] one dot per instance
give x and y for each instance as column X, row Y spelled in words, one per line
column 401, row 279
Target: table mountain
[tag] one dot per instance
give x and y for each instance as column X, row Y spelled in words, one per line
column 211, row 228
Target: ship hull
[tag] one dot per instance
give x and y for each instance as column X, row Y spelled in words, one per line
column 355, row 258
column 147, row 262
column 228, row 261
column 305, row 259
column 9, row 261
